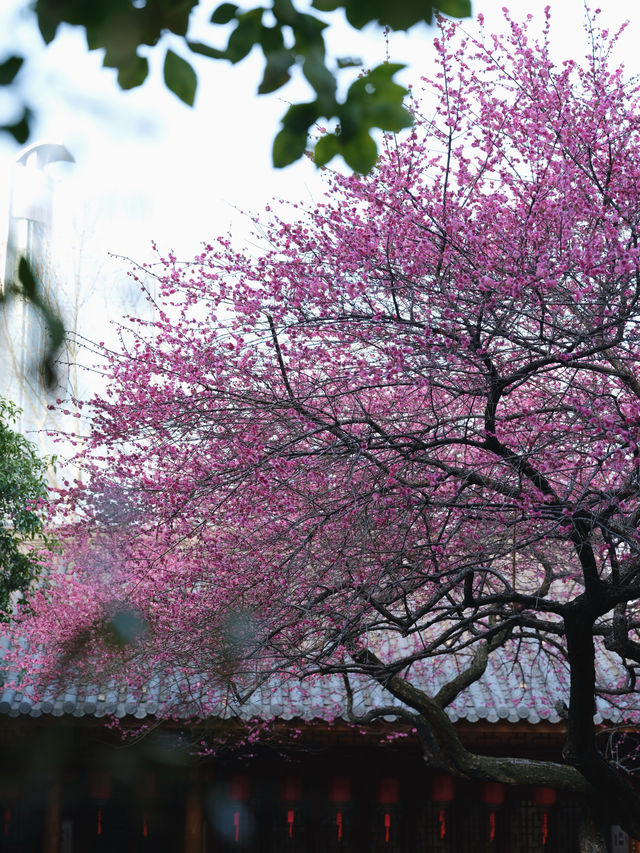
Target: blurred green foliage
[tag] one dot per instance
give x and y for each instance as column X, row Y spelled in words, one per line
column 287, row 37
column 23, row 495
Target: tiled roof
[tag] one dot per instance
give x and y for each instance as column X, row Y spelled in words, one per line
column 533, row 689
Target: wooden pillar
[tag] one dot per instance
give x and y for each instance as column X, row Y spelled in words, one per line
column 52, row 815
column 193, row 817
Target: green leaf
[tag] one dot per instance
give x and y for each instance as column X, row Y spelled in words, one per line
column 388, row 116
column 454, row 8
column 285, row 12
column 180, row 77
column 271, row 40
column 327, row 5
column 245, row 35
column 21, row 129
column 134, row 73
column 172, row 16
column 288, row 146
column 55, row 327
column 398, row 15
column 224, row 13
column 380, row 75
column 326, row 148
column 317, row 73
column 27, row 280
column 360, row 153
column 300, row 117
column 206, row 50
column 33, row 293
column 351, row 117
column 308, row 33
column 49, row 19
column 9, row 68
column 276, row 72
column 380, row 98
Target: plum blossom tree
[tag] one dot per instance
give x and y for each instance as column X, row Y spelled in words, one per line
column 409, row 430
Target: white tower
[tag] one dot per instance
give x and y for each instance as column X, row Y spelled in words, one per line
column 30, row 216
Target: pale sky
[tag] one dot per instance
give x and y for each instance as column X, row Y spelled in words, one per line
column 149, row 167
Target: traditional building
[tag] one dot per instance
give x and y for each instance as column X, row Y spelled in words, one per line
column 99, row 770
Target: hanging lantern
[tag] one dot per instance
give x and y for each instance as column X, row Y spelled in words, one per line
column 339, row 789
column 290, row 820
column 387, row 826
column 149, row 791
column 546, row 798
column 238, row 793
column 236, row 825
column 444, row 788
column 340, row 794
column 444, row 793
column 291, row 790
column 493, row 794
column 239, row 787
column 291, row 793
column 100, row 787
column 388, row 790
column 387, row 796
column 149, row 786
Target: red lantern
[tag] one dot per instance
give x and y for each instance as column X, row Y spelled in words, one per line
column 388, row 790
column 387, row 796
column 444, row 788
column 339, row 789
column 7, row 819
column 149, row 786
column 239, row 787
column 545, row 796
column 292, row 789
column 493, row 794
column 339, row 793
column 291, row 793
column 387, row 826
column 236, row 825
column 238, row 792
column 444, row 791
column 291, row 816
column 100, row 787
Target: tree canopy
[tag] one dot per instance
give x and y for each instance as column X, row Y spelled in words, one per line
column 23, row 492
column 408, row 430
column 287, row 37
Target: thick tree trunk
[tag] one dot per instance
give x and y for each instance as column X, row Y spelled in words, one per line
column 591, row 836
column 616, row 797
